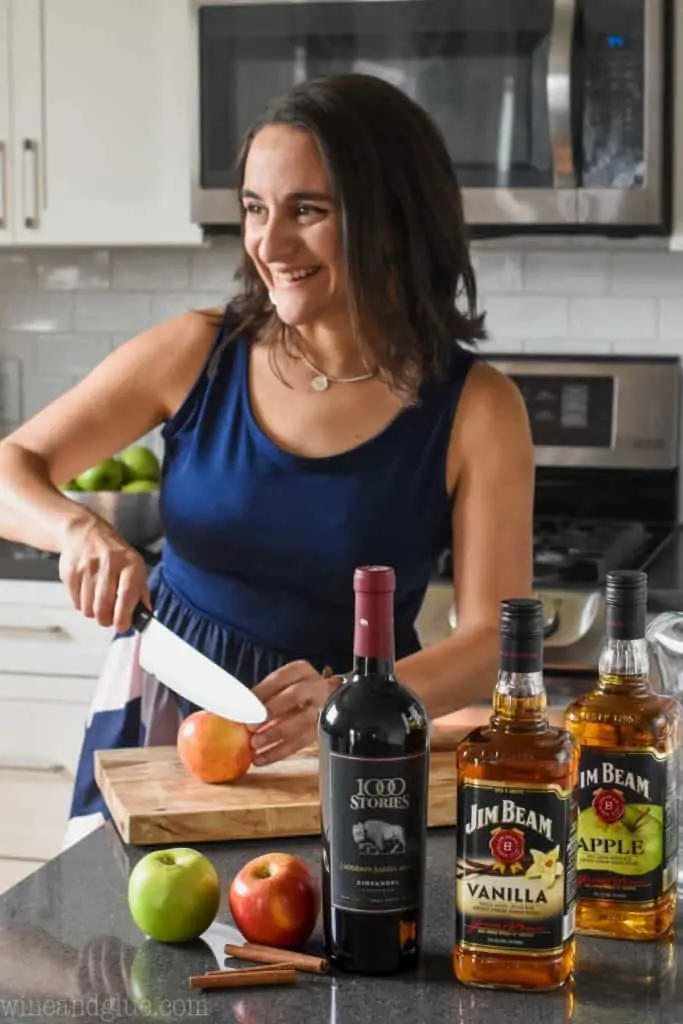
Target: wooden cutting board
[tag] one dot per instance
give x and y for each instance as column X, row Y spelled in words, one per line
column 153, row 800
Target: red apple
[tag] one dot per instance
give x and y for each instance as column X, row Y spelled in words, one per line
column 275, row 900
column 212, row 748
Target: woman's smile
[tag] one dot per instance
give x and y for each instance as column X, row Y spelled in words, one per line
column 290, row 278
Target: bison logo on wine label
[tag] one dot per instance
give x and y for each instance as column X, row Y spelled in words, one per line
column 376, row 824
column 375, row 837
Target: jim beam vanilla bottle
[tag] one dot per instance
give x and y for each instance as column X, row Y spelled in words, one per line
column 629, row 736
column 516, row 827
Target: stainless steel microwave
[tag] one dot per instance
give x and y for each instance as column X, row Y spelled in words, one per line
column 554, row 111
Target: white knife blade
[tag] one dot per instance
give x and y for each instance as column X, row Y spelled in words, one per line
column 191, row 674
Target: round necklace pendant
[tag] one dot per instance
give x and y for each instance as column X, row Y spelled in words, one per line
column 320, row 383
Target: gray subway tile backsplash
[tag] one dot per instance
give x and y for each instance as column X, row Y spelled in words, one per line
column 78, row 270
column 62, row 311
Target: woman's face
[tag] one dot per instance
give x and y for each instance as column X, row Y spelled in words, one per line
column 292, row 228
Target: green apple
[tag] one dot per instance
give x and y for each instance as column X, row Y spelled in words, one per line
column 173, row 895
column 106, row 475
column 140, row 464
column 139, row 486
column 70, row 485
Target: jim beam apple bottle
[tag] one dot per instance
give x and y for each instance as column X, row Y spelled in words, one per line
column 516, row 826
column 627, row 857
column 374, row 763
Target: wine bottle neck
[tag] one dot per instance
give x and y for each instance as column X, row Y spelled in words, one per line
column 373, row 635
column 363, row 666
column 520, row 699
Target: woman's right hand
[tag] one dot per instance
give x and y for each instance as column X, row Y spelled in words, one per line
column 105, row 576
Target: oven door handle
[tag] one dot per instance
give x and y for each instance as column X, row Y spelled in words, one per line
column 559, row 91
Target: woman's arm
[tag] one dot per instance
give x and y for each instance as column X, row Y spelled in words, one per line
column 136, row 388
column 491, row 471
column 132, row 391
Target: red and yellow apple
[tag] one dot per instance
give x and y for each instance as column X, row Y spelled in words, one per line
column 214, row 749
column 174, row 894
column 275, row 900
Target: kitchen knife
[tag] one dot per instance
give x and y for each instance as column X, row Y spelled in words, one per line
column 191, row 674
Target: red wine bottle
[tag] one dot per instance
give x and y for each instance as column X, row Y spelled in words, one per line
column 374, row 765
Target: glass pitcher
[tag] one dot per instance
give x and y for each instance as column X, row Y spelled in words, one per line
column 665, row 644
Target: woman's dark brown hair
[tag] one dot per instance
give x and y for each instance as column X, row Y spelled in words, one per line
column 403, row 231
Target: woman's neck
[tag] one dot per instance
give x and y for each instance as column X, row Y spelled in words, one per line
column 334, row 352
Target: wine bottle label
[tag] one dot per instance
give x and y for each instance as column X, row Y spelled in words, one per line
column 515, row 884
column 376, row 829
column 628, row 825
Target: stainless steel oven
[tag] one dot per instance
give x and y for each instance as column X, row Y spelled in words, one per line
column 606, row 440
column 554, row 111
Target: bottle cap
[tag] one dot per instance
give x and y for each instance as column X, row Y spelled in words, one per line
column 521, row 635
column 626, row 586
column 625, row 604
column 374, row 579
column 522, row 616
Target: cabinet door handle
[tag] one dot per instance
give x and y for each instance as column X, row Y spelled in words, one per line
column 40, row 767
column 4, row 217
column 10, row 632
column 31, row 183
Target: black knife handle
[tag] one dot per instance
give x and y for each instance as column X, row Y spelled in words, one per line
column 141, row 616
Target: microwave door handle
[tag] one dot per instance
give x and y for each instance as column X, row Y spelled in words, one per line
column 558, row 84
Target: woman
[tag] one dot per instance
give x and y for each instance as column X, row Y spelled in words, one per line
column 330, row 416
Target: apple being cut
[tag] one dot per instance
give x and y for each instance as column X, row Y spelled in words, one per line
column 212, row 748
column 275, row 900
column 174, row 894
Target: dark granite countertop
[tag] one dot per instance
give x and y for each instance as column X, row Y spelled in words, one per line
column 69, row 948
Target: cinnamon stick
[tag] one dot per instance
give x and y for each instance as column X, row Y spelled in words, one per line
column 273, row 955
column 243, row 979
column 283, row 965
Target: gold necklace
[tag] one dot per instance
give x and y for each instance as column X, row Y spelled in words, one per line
column 322, row 381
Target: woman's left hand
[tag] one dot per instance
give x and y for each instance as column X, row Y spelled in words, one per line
column 293, row 695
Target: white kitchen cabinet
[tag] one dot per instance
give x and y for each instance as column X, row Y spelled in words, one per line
column 97, row 97
column 35, row 812
column 13, row 871
column 41, row 638
column 676, row 239
column 5, row 125
column 41, row 632
column 50, row 658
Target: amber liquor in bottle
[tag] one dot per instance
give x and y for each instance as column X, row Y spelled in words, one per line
column 516, row 826
column 627, row 851
column 374, row 764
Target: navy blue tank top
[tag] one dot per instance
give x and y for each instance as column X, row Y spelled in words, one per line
column 264, row 543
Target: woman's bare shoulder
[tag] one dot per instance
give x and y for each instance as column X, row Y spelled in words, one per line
column 491, row 420
column 184, row 334
column 488, row 391
column 175, row 351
